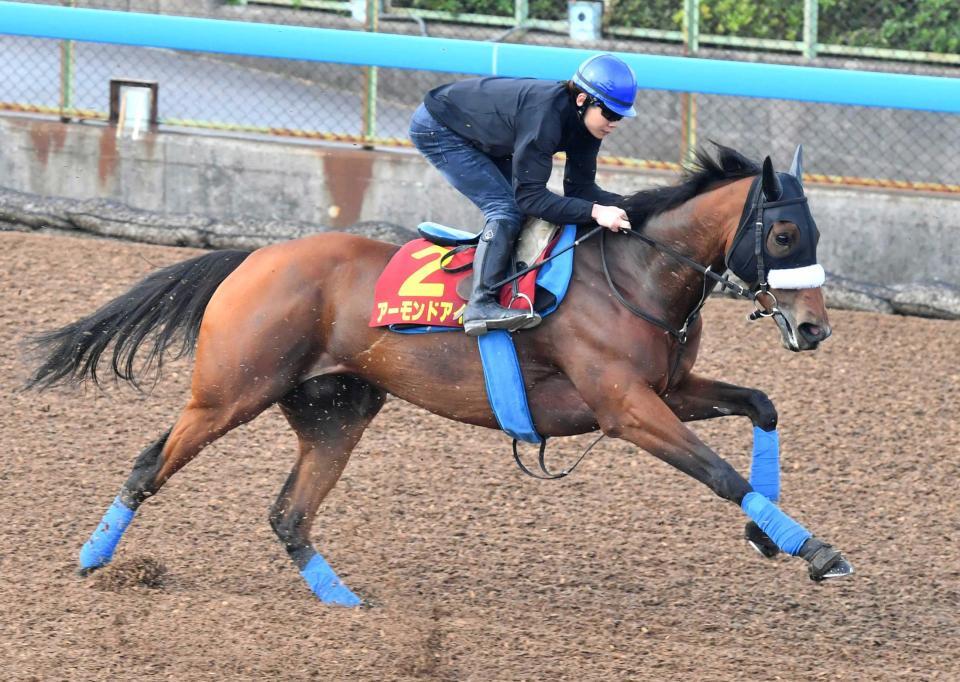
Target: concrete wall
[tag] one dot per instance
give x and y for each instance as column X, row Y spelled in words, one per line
column 875, row 236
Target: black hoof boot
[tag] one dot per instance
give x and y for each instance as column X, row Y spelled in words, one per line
column 760, row 541
column 826, row 563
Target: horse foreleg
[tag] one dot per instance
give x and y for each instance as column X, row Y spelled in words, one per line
column 642, row 418
column 329, row 415
column 697, row 398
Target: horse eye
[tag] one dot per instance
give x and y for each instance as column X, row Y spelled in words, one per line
column 783, row 239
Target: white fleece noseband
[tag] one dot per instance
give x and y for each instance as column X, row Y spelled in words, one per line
column 808, row 277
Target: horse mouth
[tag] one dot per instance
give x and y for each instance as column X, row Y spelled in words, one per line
column 788, row 335
column 803, row 337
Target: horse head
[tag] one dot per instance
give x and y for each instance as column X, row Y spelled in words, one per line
column 775, row 251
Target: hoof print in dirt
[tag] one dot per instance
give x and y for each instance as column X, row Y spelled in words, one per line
column 143, row 572
column 369, row 601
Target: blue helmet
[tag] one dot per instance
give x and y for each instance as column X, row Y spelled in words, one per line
column 610, row 80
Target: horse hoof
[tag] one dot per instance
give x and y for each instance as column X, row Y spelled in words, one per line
column 841, row 568
column 760, row 541
column 826, row 563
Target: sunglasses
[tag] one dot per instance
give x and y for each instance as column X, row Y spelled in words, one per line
column 608, row 114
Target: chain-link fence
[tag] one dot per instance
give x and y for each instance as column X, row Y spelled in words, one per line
column 368, row 105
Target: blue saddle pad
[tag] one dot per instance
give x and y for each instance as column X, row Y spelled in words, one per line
column 501, row 369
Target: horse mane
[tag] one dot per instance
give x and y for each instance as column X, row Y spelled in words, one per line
column 699, row 177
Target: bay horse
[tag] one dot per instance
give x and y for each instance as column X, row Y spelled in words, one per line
column 288, row 324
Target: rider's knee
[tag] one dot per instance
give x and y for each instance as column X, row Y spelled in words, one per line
column 506, row 214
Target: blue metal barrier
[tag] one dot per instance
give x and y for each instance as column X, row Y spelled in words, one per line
column 740, row 79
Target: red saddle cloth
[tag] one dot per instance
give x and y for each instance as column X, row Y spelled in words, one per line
column 415, row 289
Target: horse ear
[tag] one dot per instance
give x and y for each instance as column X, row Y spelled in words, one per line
column 772, row 189
column 796, row 168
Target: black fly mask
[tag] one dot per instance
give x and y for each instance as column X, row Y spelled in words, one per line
column 776, row 197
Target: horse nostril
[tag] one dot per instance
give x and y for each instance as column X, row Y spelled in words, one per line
column 812, row 332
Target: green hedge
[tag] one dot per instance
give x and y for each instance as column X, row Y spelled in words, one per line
column 925, row 25
column 541, row 9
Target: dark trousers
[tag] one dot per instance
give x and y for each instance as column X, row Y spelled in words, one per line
column 483, row 180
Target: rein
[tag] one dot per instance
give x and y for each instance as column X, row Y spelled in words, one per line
column 537, row 266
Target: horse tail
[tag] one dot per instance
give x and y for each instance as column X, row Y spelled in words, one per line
column 168, row 303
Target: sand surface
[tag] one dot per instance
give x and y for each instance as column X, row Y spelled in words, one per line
column 626, row 570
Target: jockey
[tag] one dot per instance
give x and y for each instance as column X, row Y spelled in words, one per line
column 494, row 139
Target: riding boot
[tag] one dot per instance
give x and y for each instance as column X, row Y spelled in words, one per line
column 490, row 264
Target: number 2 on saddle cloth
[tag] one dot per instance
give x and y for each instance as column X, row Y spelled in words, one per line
column 420, row 289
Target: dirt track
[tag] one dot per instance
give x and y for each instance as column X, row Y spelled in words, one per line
column 625, row 570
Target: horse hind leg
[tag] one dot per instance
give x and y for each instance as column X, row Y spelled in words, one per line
column 329, row 415
column 198, row 426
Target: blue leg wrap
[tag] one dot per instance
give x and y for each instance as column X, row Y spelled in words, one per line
column 784, row 531
column 325, row 583
column 98, row 550
column 765, row 470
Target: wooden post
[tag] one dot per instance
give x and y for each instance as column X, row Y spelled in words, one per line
column 66, row 73
column 688, row 100
column 810, row 19
column 370, row 81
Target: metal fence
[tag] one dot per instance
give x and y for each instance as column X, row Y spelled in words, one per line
column 371, row 106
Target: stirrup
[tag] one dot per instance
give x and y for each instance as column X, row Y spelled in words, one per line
column 533, row 318
column 520, row 319
column 481, row 327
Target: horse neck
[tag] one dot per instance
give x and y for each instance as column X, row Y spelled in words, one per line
column 701, row 229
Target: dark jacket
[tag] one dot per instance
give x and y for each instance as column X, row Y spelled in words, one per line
column 530, row 120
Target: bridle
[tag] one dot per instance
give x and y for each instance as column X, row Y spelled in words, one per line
column 751, row 293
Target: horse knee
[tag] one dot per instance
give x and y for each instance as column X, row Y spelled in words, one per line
column 764, row 413
column 610, row 425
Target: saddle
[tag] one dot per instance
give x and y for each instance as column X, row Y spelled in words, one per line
column 535, row 237
column 428, row 281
